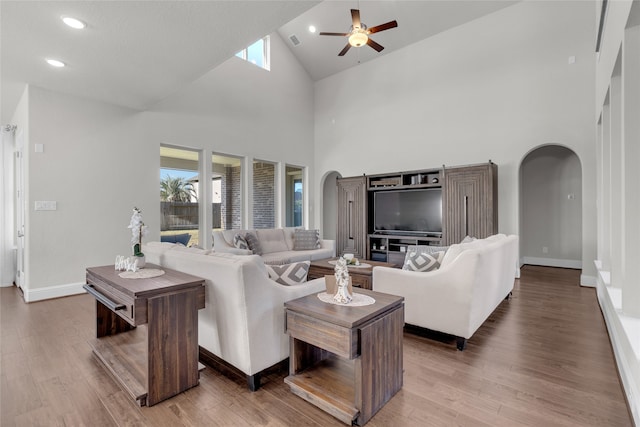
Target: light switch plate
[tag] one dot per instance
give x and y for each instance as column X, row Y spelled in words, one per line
column 43, row 205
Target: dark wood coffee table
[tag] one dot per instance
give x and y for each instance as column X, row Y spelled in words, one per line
column 346, row 360
column 361, row 277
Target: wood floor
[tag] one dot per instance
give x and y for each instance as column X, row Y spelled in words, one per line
column 542, row 359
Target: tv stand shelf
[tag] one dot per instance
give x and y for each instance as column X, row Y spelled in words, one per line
column 392, row 248
column 405, row 180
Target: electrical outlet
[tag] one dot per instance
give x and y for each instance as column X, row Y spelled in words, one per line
column 545, row 250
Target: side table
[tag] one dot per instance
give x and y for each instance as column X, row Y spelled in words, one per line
column 346, row 360
column 147, row 331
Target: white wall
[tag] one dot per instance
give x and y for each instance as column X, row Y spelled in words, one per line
column 551, row 219
column 492, row 89
column 96, row 170
column 100, row 161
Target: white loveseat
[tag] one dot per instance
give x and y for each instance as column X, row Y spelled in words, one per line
column 473, row 279
column 243, row 320
column 277, row 245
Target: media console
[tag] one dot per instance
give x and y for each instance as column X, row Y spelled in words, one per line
column 443, row 205
column 392, row 248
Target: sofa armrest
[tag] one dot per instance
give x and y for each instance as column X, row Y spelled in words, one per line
column 220, row 244
column 439, row 300
column 329, row 244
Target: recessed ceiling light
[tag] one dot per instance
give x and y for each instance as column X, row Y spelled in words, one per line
column 55, row 63
column 312, row 29
column 73, row 22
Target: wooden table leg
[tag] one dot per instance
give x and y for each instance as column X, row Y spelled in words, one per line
column 173, row 345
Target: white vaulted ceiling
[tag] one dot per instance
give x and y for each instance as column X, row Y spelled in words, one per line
column 135, row 53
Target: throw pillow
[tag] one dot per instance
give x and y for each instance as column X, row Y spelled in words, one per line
column 468, row 239
column 304, row 240
column 240, row 242
column 422, row 261
column 289, row 274
column 254, row 243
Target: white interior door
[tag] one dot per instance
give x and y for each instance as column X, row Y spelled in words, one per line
column 20, row 209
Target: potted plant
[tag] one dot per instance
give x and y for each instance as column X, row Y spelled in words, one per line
column 138, row 230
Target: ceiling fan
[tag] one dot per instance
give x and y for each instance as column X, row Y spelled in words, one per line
column 359, row 34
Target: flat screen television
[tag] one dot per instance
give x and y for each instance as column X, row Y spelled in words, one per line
column 408, row 211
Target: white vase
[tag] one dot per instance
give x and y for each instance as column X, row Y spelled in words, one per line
column 141, row 261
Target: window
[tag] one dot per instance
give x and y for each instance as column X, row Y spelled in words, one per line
column 295, row 199
column 264, row 174
column 258, row 53
column 227, row 192
column 179, row 193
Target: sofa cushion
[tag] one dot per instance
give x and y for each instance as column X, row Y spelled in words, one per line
column 272, row 240
column 288, row 236
column 304, row 240
column 240, row 242
column 468, row 239
column 192, row 250
column 456, row 249
column 254, row 243
column 422, row 260
column 289, row 274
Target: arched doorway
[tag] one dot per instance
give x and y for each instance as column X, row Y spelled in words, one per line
column 329, row 205
column 551, row 208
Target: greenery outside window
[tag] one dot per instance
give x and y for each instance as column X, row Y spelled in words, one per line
column 179, row 190
column 294, row 198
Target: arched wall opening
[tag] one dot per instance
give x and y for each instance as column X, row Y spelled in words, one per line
column 551, row 208
column 329, row 204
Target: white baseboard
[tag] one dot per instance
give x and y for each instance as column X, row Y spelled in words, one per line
column 621, row 328
column 552, row 262
column 39, row 294
column 588, row 281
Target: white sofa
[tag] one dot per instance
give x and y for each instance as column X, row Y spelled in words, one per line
column 473, row 279
column 276, row 243
column 243, row 319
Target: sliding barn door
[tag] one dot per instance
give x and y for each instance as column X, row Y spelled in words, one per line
column 470, row 202
column 351, row 227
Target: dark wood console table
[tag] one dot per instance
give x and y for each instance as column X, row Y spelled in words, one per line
column 346, row 360
column 361, row 277
column 147, row 331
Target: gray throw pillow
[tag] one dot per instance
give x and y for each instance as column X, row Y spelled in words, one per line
column 304, row 240
column 289, row 274
column 254, row 243
column 422, row 261
column 240, row 242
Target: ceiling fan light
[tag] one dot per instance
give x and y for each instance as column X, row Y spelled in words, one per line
column 73, row 22
column 55, row 63
column 358, row 39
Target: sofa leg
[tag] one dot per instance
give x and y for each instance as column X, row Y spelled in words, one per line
column 508, row 297
column 461, row 343
column 253, row 381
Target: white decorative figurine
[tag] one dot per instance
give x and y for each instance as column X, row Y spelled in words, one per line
column 127, row 263
column 342, row 295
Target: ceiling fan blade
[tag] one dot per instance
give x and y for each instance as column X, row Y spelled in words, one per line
column 343, row 51
column 382, row 27
column 355, row 18
column 375, row 45
column 333, row 34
